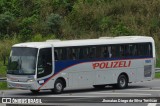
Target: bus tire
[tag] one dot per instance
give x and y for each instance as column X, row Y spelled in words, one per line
column 122, row 82
column 99, row 86
column 58, row 86
column 35, row 91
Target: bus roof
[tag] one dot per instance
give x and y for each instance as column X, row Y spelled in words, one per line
column 100, row 41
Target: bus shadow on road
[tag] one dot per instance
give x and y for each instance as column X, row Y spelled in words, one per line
column 74, row 91
column 108, row 88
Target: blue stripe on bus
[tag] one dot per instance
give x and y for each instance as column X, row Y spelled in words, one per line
column 61, row 65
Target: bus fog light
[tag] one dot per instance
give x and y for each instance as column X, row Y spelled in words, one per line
column 31, row 80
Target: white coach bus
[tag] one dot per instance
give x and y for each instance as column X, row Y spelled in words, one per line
column 55, row 65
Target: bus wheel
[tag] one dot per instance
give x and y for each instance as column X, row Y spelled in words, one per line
column 35, row 91
column 122, row 82
column 58, row 86
column 99, row 86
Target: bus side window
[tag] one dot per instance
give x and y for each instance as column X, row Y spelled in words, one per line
column 116, row 51
column 122, row 50
column 92, row 52
column 113, row 51
column 110, row 51
column 129, row 49
column 80, row 53
column 85, row 53
column 55, row 55
column 68, row 53
column 106, row 52
column 73, row 56
column 141, row 50
column 126, row 52
column 150, row 49
column 97, row 52
column 63, row 54
column 134, row 50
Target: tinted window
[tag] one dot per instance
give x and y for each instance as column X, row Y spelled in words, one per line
column 103, row 51
column 44, row 67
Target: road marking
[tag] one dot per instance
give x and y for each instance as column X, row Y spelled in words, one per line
column 100, row 94
column 152, row 104
column 118, row 93
column 155, row 87
column 147, row 90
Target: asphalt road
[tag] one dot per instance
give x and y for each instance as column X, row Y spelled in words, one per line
column 80, row 96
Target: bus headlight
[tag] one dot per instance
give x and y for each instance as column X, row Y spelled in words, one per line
column 30, row 80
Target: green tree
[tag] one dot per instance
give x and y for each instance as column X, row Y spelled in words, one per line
column 6, row 21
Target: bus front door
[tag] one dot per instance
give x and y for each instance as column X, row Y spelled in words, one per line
column 44, row 66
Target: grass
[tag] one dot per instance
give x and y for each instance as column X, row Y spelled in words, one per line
column 157, row 75
column 3, row 71
column 3, row 86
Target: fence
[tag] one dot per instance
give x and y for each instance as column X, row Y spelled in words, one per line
column 157, row 69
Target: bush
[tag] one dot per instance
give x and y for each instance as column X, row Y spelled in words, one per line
column 39, row 37
column 54, row 23
column 105, row 23
column 121, row 29
column 154, row 25
column 83, row 20
column 5, row 48
column 26, row 27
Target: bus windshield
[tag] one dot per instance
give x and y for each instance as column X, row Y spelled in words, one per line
column 22, row 61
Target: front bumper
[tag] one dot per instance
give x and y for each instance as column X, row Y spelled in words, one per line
column 23, row 85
